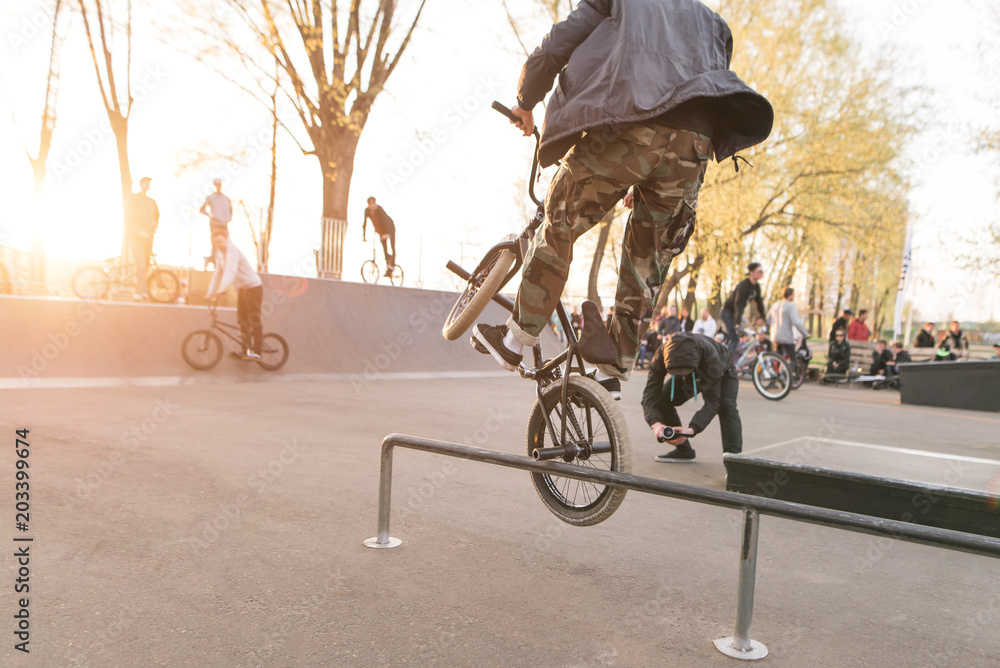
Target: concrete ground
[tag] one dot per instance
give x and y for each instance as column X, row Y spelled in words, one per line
column 222, row 525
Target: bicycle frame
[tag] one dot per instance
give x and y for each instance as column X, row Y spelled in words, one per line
column 224, row 327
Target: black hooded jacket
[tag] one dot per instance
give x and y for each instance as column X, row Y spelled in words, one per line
column 709, row 359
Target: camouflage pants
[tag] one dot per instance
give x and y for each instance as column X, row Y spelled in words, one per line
column 667, row 166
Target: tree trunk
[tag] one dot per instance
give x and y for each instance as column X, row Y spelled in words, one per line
column 336, row 162
column 690, row 298
column 595, row 265
column 119, row 126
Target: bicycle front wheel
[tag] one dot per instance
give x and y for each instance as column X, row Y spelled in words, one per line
column 479, row 290
column 369, row 272
column 396, row 278
column 772, row 376
column 202, row 349
column 91, row 283
column 273, row 352
column 164, row 286
column 593, row 422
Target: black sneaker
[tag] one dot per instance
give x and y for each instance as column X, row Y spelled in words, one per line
column 612, row 385
column 677, row 456
column 491, row 338
column 480, row 348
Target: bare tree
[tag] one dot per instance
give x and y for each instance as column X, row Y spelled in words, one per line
column 332, row 63
column 98, row 21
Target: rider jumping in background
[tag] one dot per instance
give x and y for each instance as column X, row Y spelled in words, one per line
column 647, row 124
column 732, row 310
column 384, row 228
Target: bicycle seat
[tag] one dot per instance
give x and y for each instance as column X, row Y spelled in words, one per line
column 596, row 345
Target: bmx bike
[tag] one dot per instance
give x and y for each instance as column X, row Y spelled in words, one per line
column 202, row 349
column 770, row 372
column 94, row 283
column 573, row 419
column 371, row 271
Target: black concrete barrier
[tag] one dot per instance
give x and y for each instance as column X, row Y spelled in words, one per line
column 938, row 506
column 970, row 385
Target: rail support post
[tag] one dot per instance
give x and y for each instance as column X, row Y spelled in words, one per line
column 383, row 540
column 740, row 646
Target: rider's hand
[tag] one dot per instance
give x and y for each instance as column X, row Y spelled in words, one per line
column 627, row 202
column 657, row 428
column 527, row 124
column 685, row 433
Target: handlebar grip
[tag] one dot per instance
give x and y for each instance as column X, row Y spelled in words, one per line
column 505, row 111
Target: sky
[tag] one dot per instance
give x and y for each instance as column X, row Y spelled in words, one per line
column 449, row 170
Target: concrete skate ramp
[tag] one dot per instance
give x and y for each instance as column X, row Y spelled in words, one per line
column 332, row 327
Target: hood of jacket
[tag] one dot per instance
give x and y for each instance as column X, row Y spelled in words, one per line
column 706, row 356
column 633, row 60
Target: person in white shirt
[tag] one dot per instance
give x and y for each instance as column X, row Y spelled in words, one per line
column 783, row 319
column 218, row 208
column 706, row 324
column 232, row 268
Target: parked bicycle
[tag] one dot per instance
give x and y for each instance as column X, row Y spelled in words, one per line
column 371, row 271
column 573, row 419
column 770, row 372
column 94, row 283
column 203, row 348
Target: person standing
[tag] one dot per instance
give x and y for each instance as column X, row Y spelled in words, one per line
column 858, row 330
column 927, row 337
column 645, row 125
column 841, row 323
column 745, row 291
column 784, row 320
column 232, row 268
column 694, row 364
column 956, row 340
column 706, row 325
column 384, row 228
column 218, row 208
column 140, row 228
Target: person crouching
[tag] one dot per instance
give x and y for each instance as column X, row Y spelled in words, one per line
column 685, row 365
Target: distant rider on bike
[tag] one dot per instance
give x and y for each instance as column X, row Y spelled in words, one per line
column 645, row 99
column 783, row 319
column 685, row 365
column 745, row 291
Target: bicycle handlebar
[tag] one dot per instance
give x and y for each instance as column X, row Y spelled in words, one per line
column 534, row 162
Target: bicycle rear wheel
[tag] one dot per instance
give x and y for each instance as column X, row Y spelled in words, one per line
column 772, row 376
column 163, row 285
column 91, row 283
column 396, row 278
column 202, row 349
column 593, row 419
column 479, row 290
column 273, row 352
column 369, row 272
column 799, row 373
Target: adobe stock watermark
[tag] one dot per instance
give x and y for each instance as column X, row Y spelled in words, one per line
column 228, row 515
column 129, row 442
column 454, row 117
column 58, row 341
column 900, row 15
column 37, row 23
column 76, row 155
column 418, row 322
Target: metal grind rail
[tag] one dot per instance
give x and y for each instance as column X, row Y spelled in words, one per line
column 739, row 645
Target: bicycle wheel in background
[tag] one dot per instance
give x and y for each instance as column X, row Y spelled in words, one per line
column 478, row 292
column 772, row 376
column 201, row 349
column 799, row 372
column 91, row 283
column 594, row 418
column 163, row 285
column 369, row 272
column 273, row 352
column 397, row 276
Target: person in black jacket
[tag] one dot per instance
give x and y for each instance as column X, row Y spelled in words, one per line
column 899, row 356
column 683, row 366
column 384, row 228
column 843, row 322
column 881, row 357
column 926, row 338
column 838, row 357
column 745, row 291
column 956, row 340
